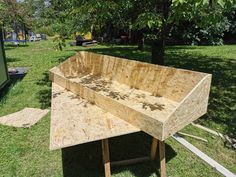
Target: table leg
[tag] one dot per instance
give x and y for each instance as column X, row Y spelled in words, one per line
column 153, row 148
column 106, row 157
column 162, row 159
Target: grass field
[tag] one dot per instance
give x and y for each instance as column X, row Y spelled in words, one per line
column 25, row 152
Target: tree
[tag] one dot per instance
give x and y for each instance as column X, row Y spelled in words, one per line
column 164, row 14
column 14, row 15
column 153, row 19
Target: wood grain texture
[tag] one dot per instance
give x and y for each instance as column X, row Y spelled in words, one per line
column 106, row 157
column 153, row 148
column 130, row 161
column 150, row 97
column 191, row 108
column 162, row 158
column 76, row 121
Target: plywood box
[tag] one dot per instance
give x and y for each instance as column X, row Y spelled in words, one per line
column 159, row 100
column 76, row 121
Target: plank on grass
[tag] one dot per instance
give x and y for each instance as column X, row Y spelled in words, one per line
column 24, row 118
column 204, row 157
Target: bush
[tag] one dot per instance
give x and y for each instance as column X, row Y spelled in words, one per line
column 62, row 29
column 59, row 42
column 190, row 33
column 48, row 30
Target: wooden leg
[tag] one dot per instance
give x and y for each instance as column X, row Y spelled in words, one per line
column 153, row 149
column 162, row 159
column 106, row 157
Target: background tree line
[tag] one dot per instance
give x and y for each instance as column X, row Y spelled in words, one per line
column 156, row 22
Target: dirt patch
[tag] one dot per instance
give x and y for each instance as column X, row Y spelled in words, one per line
column 117, row 96
column 153, row 107
column 156, row 95
column 140, row 95
column 96, row 83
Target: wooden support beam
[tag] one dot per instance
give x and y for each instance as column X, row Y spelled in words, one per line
column 162, row 159
column 192, row 136
column 153, row 149
column 208, row 130
column 131, row 161
column 106, row 157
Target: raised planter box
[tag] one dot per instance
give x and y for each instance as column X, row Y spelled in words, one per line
column 159, row 100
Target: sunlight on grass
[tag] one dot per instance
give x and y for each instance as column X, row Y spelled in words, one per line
column 25, row 152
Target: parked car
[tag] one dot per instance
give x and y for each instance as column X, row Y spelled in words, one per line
column 34, row 37
column 38, row 37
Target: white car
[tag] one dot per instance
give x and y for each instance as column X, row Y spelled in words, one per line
column 36, row 37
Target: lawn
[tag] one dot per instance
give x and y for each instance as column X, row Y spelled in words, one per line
column 25, row 152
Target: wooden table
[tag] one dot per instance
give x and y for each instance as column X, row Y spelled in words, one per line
column 76, row 121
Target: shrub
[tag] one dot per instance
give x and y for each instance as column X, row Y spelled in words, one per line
column 45, row 30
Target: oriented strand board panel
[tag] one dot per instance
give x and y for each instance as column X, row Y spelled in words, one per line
column 24, row 118
column 76, row 121
column 159, row 100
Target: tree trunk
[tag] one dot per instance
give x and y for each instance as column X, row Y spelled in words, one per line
column 158, row 46
column 158, row 51
column 141, row 43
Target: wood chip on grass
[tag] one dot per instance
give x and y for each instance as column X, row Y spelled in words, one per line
column 24, row 118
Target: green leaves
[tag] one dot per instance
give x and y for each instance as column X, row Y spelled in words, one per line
column 148, row 19
column 59, row 42
column 221, row 3
column 178, row 2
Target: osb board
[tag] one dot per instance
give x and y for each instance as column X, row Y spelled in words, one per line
column 171, row 83
column 24, row 118
column 191, row 108
column 76, row 121
column 134, row 99
column 113, row 106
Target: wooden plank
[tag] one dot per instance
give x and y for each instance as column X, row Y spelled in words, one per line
column 118, row 109
column 106, row 157
column 192, row 136
column 76, row 121
column 149, row 97
column 130, row 161
column 208, row 130
column 204, row 157
column 25, row 118
column 162, row 159
column 153, row 148
column 170, row 82
column 193, row 106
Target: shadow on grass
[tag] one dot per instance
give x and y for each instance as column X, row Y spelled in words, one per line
column 86, row 160
column 4, row 91
column 44, row 95
column 9, row 46
column 124, row 52
column 221, row 108
column 10, row 59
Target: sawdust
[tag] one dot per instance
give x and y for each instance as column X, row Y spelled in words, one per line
column 151, row 104
column 153, row 107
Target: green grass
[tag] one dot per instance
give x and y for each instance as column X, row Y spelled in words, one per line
column 25, row 152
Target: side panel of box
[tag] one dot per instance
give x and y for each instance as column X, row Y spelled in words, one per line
column 191, row 108
column 158, row 80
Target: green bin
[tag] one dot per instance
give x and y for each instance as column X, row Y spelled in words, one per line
column 3, row 65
